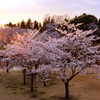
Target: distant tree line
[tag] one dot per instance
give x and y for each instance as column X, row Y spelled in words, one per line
column 26, row 25
column 30, row 25
column 85, row 19
column 38, row 25
column 10, row 25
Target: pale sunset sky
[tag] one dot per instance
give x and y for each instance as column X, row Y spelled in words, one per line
column 16, row 10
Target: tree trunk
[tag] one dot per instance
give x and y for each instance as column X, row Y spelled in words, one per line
column 44, row 84
column 24, row 76
column 7, row 70
column 32, row 79
column 66, row 90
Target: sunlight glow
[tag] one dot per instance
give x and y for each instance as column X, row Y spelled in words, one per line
column 16, row 10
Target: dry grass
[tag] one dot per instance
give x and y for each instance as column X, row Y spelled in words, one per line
column 81, row 88
column 2, row 48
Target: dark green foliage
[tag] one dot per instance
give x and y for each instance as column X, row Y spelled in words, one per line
column 85, row 19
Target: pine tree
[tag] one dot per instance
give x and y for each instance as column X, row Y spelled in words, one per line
column 23, row 24
column 36, row 26
column 10, row 24
column 29, row 24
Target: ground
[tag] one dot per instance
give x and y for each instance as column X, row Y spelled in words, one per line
column 81, row 88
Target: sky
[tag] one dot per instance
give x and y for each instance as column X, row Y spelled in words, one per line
column 17, row 10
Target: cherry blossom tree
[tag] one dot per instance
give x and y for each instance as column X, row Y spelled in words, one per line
column 18, row 51
column 79, row 56
column 72, row 54
column 66, row 57
column 6, row 34
column 26, row 50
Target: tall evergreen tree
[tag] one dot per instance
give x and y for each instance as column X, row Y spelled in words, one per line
column 23, row 24
column 10, row 24
column 29, row 24
column 36, row 26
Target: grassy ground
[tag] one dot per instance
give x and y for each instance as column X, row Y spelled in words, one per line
column 81, row 88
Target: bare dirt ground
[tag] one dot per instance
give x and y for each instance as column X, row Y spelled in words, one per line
column 81, row 88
